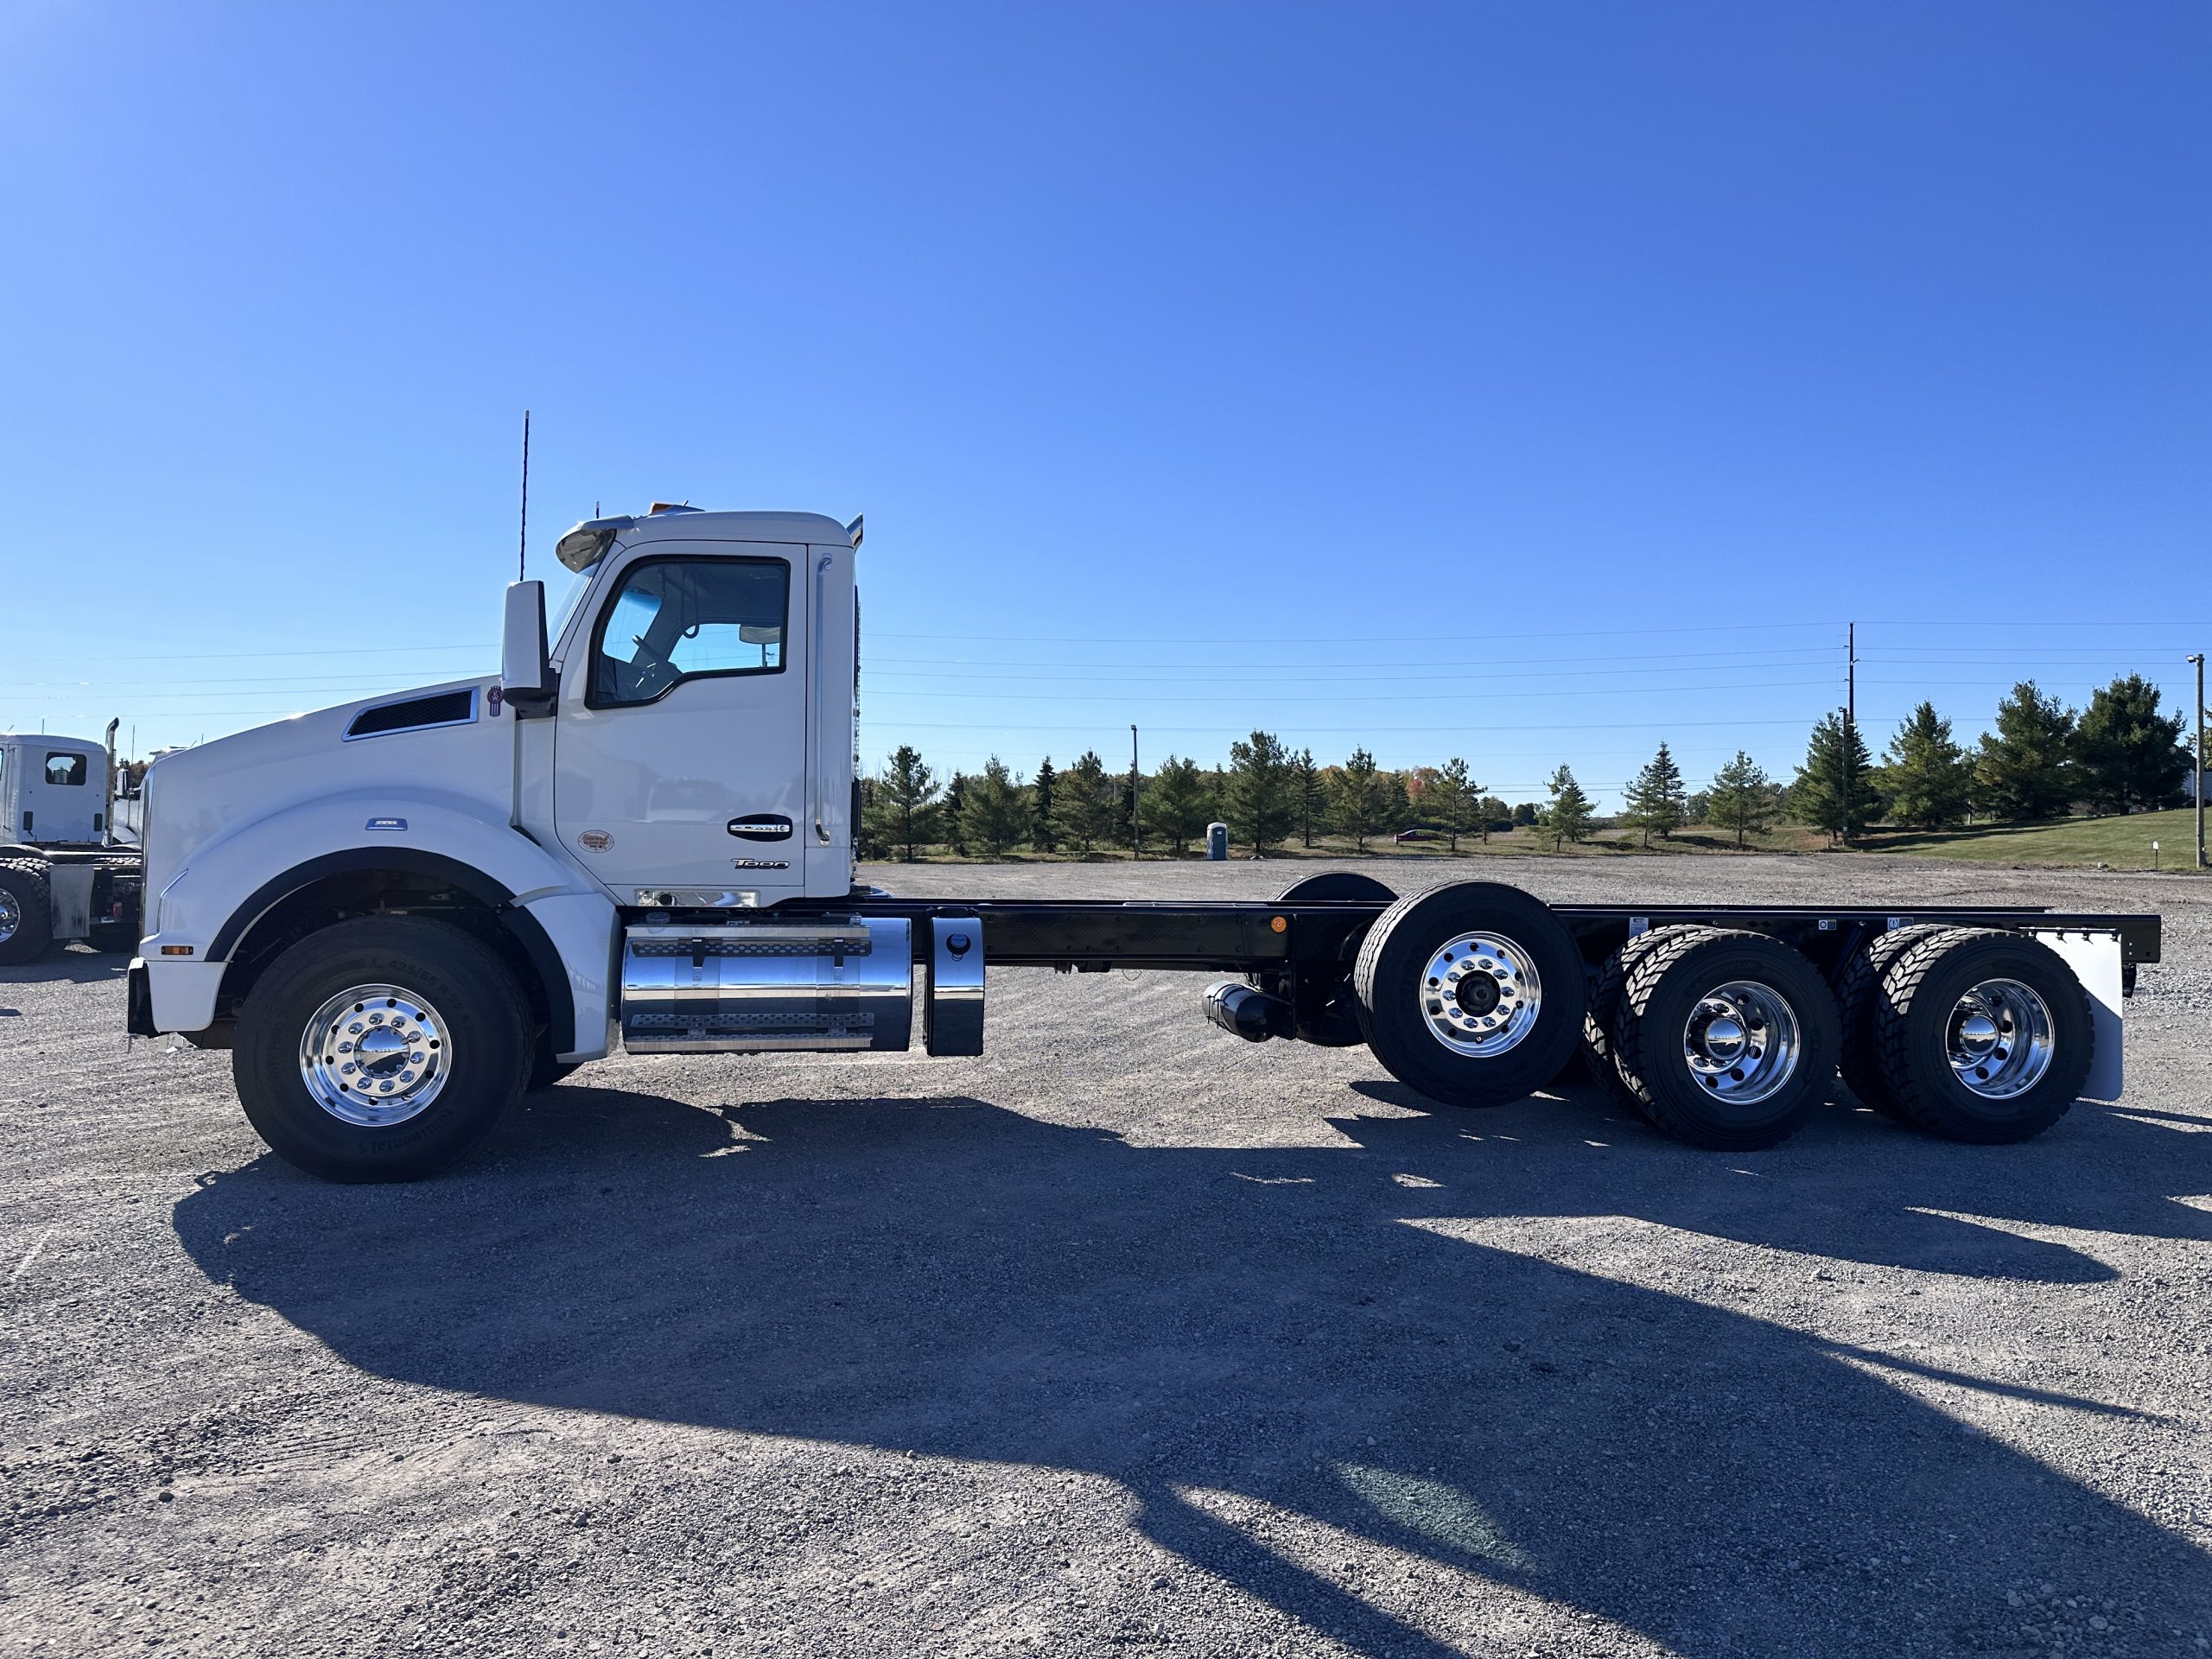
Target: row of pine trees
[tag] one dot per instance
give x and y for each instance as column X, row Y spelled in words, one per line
column 2041, row 760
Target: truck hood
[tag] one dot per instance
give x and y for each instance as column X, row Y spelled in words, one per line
column 437, row 742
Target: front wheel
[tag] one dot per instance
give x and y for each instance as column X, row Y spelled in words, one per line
column 1473, row 993
column 381, row 1049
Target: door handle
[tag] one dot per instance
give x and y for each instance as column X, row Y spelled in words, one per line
column 761, row 826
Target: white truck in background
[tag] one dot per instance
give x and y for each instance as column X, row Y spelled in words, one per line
column 401, row 912
column 64, row 876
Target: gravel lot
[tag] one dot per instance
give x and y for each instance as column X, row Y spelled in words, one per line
column 1128, row 1337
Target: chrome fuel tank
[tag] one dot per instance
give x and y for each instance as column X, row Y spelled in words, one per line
column 823, row 983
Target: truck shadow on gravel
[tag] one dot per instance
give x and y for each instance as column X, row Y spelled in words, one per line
column 1343, row 1333
column 65, row 967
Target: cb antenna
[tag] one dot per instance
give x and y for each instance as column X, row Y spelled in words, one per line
column 522, row 551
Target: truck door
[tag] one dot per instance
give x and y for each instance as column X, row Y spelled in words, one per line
column 680, row 753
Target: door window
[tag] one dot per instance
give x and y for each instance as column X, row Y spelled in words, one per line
column 678, row 619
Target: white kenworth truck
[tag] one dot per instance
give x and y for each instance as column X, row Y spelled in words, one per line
column 64, row 876
column 401, row 914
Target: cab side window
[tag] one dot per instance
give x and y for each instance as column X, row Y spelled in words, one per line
column 65, row 768
column 676, row 619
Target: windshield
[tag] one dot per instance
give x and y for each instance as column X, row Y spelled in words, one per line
column 571, row 597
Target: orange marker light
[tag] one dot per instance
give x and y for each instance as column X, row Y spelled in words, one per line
column 1281, row 924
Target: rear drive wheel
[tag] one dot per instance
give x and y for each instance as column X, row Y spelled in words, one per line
column 1472, row 993
column 1725, row 1038
column 1982, row 1035
column 381, row 1049
column 26, row 911
column 1858, row 994
column 1605, row 1000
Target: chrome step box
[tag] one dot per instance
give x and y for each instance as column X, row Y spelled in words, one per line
column 824, row 983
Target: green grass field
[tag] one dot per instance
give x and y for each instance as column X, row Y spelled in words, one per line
column 2123, row 844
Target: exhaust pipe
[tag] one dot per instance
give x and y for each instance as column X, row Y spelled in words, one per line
column 1249, row 1012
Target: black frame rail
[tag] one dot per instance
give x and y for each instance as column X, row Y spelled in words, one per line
column 1252, row 936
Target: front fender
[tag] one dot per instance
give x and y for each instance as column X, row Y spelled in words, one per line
column 212, row 904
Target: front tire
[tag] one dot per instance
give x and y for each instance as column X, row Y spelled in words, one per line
column 381, row 1049
column 1472, row 993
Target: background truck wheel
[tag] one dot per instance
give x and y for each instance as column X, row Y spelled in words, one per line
column 1982, row 1035
column 1605, row 1000
column 1856, row 995
column 380, row 1049
column 1331, row 1020
column 1472, row 993
column 26, row 911
column 1725, row 1038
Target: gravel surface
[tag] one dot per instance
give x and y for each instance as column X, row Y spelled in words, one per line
column 1127, row 1337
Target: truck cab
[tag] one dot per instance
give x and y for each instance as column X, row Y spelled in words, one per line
column 53, row 790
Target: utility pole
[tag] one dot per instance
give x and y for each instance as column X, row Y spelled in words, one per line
column 1135, row 835
column 2197, row 658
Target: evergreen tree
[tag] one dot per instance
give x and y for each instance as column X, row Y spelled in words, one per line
column 1525, row 815
column 1356, row 797
column 907, row 796
column 1261, row 810
column 2130, row 756
column 1568, row 815
column 952, row 818
column 1454, row 799
column 1929, row 780
column 1085, row 801
column 2025, row 768
column 1742, row 798
column 872, row 841
column 991, row 815
column 1308, row 798
column 1175, row 806
column 1655, row 798
column 1834, row 788
column 1494, row 814
column 1044, row 830
column 1397, row 802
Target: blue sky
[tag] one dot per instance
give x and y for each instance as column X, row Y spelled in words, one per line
column 1527, row 383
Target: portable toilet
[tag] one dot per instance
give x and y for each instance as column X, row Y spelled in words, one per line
column 1216, row 841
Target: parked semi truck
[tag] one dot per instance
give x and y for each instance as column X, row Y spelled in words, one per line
column 63, row 876
column 400, row 913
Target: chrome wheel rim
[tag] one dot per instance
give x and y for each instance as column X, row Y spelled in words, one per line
column 1998, row 1039
column 1742, row 1041
column 375, row 1055
column 1480, row 994
column 11, row 915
